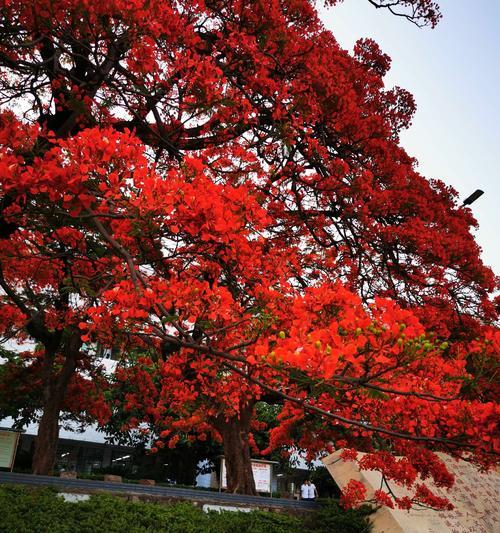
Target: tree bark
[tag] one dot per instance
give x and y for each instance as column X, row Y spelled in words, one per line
column 47, row 438
column 55, row 386
column 235, row 432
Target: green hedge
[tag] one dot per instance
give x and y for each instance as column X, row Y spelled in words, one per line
column 332, row 518
column 41, row 510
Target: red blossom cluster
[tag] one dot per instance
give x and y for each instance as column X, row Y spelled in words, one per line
column 353, row 494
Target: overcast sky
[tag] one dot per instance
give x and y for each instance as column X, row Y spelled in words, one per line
column 453, row 71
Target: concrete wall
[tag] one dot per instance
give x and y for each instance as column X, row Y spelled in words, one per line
column 475, row 496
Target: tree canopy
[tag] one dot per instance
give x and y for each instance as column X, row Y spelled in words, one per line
column 219, row 187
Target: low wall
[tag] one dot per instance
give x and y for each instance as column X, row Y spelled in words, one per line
column 159, row 494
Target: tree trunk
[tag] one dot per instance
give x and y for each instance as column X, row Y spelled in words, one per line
column 47, row 438
column 237, row 452
column 54, row 390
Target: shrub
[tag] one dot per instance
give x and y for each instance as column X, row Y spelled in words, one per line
column 331, row 518
column 41, row 510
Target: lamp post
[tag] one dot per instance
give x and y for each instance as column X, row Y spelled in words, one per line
column 473, row 197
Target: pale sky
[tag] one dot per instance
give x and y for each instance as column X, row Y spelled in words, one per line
column 453, row 71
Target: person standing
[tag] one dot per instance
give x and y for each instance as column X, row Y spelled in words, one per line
column 312, row 491
column 304, row 490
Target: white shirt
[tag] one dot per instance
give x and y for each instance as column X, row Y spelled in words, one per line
column 304, row 491
column 311, row 491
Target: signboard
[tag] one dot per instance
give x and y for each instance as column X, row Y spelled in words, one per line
column 8, row 446
column 261, row 475
column 474, row 495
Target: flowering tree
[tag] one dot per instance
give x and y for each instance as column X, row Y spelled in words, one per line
column 50, row 274
column 219, row 187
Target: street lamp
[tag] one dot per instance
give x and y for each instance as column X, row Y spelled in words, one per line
column 473, row 197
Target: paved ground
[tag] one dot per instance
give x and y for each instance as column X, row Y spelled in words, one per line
column 218, row 498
